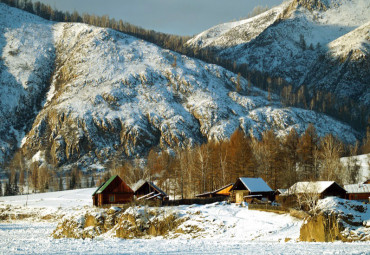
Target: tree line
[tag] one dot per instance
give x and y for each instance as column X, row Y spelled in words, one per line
column 323, row 101
column 280, row 161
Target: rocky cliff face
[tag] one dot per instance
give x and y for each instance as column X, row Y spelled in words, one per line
column 115, row 96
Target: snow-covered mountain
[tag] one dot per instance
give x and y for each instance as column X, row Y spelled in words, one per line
column 89, row 94
column 323, row 44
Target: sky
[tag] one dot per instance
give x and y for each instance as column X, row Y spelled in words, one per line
column 181, row 17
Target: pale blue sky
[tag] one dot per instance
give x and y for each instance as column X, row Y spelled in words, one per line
column 184, row 17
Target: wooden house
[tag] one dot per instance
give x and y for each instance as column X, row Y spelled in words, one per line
column 320, row 188
column 149, row 191
column 358, row 192
column 248, row 189
column 221, row 192
column 113, row 191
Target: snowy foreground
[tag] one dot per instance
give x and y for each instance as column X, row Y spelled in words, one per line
column 226, row 229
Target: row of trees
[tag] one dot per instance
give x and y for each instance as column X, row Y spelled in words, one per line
column 281, row 161
column 41, row 178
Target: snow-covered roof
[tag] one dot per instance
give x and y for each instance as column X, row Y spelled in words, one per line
column 140, row 183
column 357, row 188
column 310, row 187
column 137, row 185
column 282, row 191
column 255, row 184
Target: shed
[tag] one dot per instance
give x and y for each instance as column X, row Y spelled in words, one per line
column 148, row 190
column 221, row 192
column 113, row 191
column 245, row 187
column 358, row 191
column 279, row 192
column 321, row 188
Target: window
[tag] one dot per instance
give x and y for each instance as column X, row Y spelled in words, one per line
column 111, row 198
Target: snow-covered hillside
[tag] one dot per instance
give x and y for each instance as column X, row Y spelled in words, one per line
column 26, row 63
column 214, row 220
column 113, row 95
column 363, row 162
column 322, row 44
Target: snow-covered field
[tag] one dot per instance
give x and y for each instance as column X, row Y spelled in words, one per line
column 21, row 238
column 226, row 229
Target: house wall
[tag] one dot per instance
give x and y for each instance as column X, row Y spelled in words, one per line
column 358, row 196
column 119, row 198
column 239, row 195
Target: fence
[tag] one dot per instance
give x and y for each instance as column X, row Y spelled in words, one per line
column 200, row 201
column 267, row 207
column 156, row 203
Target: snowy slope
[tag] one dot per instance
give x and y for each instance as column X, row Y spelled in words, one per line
column 26, row 63
column 271, row 42
column 218, row 220
column 113, row 95
column 363, row 161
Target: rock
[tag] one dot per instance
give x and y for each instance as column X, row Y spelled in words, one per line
column 322, row 228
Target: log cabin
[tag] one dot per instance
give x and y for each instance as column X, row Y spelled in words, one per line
column 113, row 191
column 249, row 189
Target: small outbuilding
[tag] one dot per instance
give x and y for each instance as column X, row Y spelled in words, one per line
column 358, row 192
column 247, row 189
column 321, row 189
column 113, row 191
column 149, row 191
column 221, row 192
column 279, row 192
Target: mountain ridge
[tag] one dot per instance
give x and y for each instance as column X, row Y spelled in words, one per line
column 112, row 95
column 297, row 40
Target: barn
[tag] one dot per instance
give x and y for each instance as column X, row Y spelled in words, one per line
column 358, row 192
column 248, row 189
column 113, row 191
column 221, row 192
column 320, row 188
column 149, row 191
